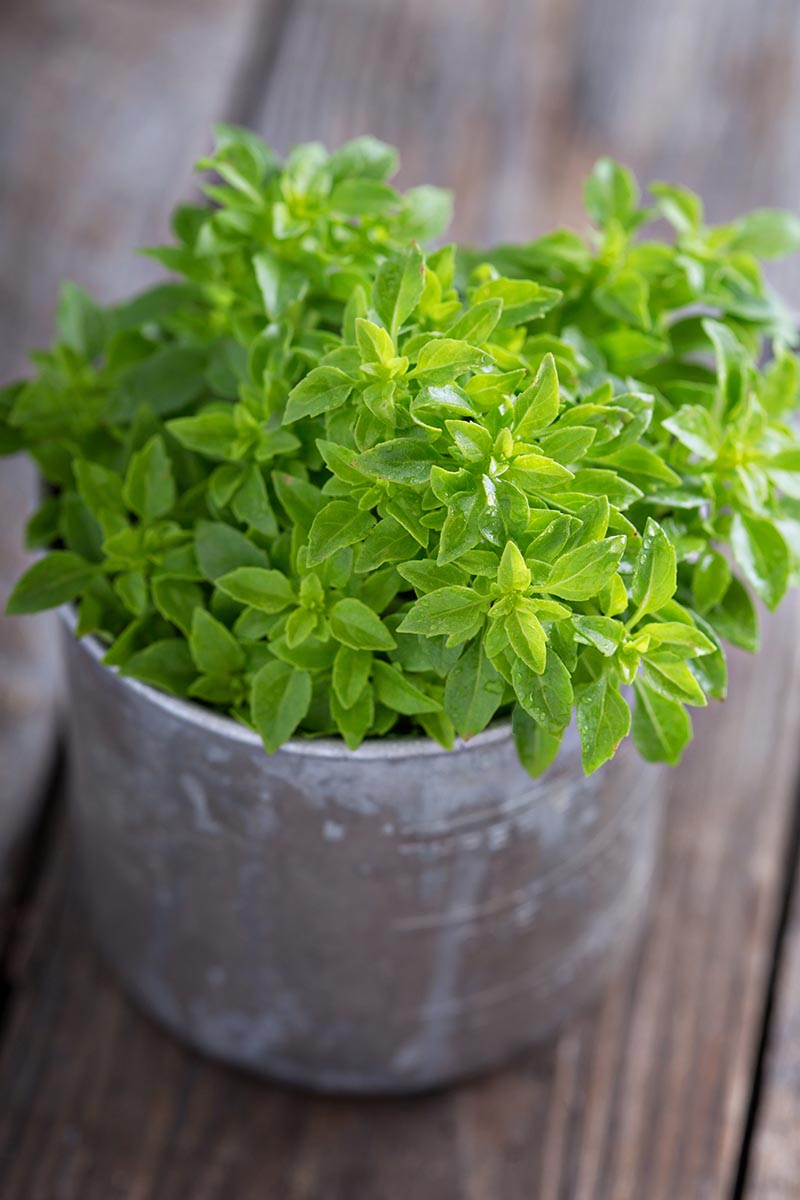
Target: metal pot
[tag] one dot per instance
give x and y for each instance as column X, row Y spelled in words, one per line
column 380, row 921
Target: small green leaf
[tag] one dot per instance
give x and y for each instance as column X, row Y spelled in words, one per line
column 362, row 197
column 398, row 288
column 710, row 579
column 735, row 618
column 403, row 460
column 53, row 580
column 355, row 625
column 131, row 587
column 386, row 542
column 594, row 481
column 477, row 323
column 323, row 390
column 604, row 719
column 682, row 208
column 335, row 526
column 654, row 576
column 363, row 157
column 536, row 748
column 279, row 700
column 525, row 633
column 165, row 382
column 426, row 213
column 696, row 429
column 474, row 691
column 354, row 721
column 568, row 445
column 398, row 693
column 82, row 325
column 767, row 233
column 268, row 591
column 523, row 299
column 545, row 696
column 176, row 600
column 677, row 636
column 611, row 194
column 761, row 552
column 442, row 359
column 472, row 441
column 426, row 576
column 211, row 434
column 213, row 647
column 300, row 500
column 101, row 492
column 583, row 572
column 351, row 670
column 149, row 488
column 625, row 296
column 513, row 574
column 433, row 404
column 301, row 624
column 613, row 599
column 165, row 664
column 673, row 680
column 711, row 670
column 642, row 463
column 456, row 611
column 220, row 549
column 537, row 407
column 604, row 633
column 548, row 545
column 662, row 728
column 374, row 343
column 216, row 689
column 462, row 527
column 251, row 503
column 280, row 284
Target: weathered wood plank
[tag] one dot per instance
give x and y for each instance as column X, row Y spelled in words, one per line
column 105, row 108
column 510, row 103
column 775, row 1165
column 89, row 168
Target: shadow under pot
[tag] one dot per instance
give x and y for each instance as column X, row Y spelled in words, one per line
column 384, row 920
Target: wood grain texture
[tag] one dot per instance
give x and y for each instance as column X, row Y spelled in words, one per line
column 103, row 115
column 509, row 102
column 775, row 1169
column 105, row 108
column 645, row 1097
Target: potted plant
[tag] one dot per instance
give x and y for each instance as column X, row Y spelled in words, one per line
column 359, row 538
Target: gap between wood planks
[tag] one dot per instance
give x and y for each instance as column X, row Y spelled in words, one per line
column 36, row 857
column 259, row 61
column 790, row 882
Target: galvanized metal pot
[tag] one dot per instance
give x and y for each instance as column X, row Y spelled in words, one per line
column 380, row 921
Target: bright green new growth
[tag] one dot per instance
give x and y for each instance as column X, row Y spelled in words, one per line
column 332, row 485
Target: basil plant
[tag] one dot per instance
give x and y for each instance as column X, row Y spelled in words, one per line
column 329, row 483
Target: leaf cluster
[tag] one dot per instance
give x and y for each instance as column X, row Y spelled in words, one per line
column 328, row 483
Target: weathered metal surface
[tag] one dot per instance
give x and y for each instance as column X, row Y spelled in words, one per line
column 383, row 920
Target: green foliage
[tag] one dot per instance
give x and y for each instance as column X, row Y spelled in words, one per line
column 329, row 483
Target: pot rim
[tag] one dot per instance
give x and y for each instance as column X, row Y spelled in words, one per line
column 322, row 747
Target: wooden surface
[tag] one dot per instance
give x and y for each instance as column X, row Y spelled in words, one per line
column 683, row 1083
column 776, row 1155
